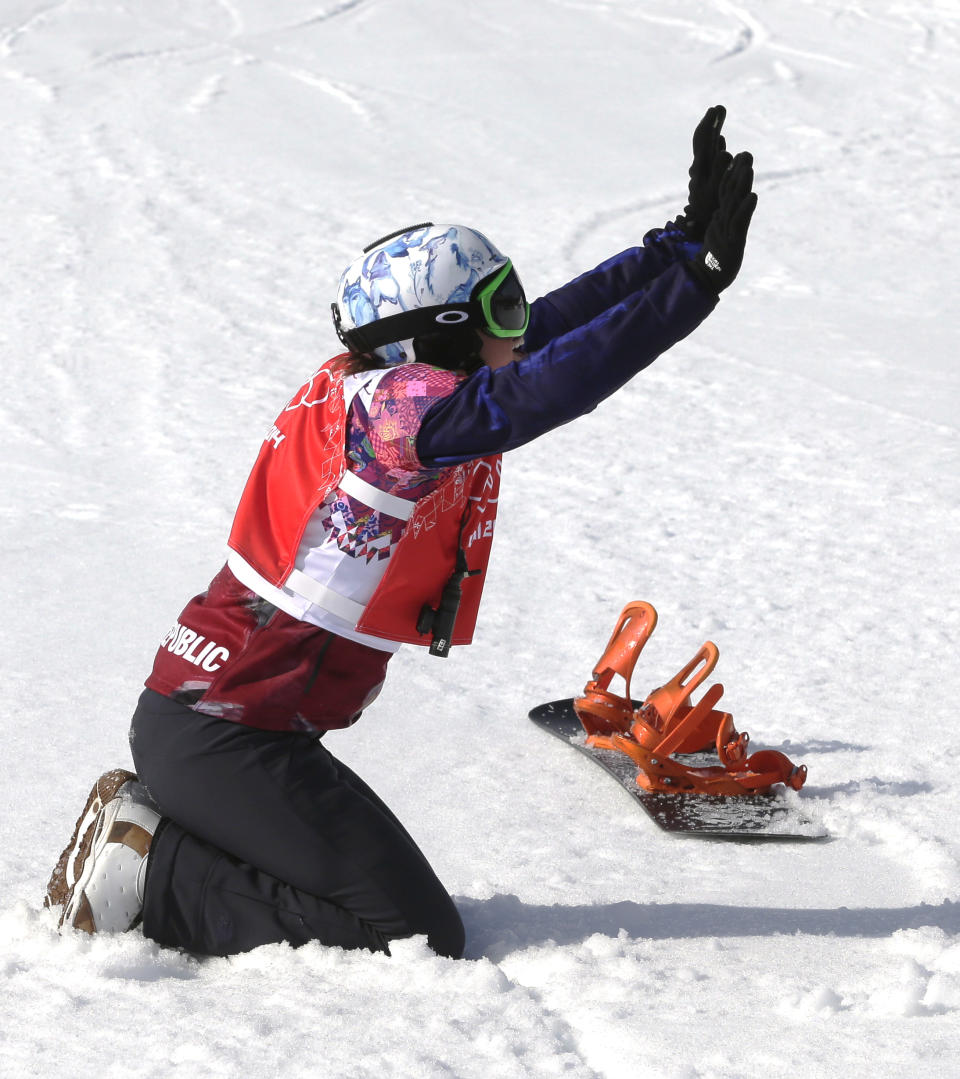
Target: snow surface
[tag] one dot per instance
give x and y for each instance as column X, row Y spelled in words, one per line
column 183, row 182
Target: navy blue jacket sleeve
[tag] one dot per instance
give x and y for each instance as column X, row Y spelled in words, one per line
column 586, row 296
column 569, row 375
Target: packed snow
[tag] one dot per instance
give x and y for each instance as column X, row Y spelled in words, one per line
column 183, row 182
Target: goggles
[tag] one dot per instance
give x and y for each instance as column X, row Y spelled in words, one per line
column 506, row 312
column 497, row 306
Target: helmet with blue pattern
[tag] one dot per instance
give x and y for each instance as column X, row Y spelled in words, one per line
column 423, row 281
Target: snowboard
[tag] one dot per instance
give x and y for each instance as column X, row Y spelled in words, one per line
column 751, row 817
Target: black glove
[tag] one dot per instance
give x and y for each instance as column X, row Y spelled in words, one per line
column 710, row 162
column 721, row 256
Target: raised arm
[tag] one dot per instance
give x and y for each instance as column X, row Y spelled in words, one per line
column 493, row 411
column 623, row 275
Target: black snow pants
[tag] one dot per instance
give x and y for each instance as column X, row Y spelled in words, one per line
column 267, row 837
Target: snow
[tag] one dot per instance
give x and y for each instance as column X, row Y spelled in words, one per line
column 183, row 184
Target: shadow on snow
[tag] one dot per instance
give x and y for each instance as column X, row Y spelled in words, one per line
column 501, row 925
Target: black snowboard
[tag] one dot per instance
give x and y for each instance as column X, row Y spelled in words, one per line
column 755, row 816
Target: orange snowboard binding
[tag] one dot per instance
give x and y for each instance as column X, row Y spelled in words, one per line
column 667, row 722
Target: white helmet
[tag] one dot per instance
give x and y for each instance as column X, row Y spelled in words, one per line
column 423, row 280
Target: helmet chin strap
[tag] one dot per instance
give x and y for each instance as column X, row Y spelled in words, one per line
column 473, row 363
column 453, row 350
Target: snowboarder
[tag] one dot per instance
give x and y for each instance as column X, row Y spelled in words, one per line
column 366, row 523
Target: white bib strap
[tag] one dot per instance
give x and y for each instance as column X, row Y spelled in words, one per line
column 382, row 501
column 347, row 609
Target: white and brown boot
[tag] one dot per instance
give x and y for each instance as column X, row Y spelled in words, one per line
column 98, row 880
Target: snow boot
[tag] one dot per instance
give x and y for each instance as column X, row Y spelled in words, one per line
column 98, row 880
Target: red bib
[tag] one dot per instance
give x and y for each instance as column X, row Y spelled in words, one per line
column 302, row 461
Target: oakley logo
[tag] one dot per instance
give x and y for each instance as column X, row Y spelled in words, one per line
column 449, row 318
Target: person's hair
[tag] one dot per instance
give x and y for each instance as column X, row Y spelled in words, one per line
column 352, row 363
column 456, row 349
